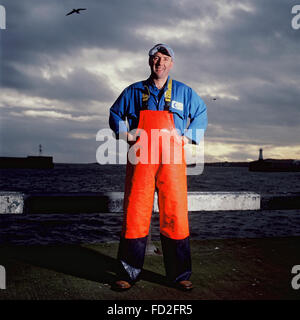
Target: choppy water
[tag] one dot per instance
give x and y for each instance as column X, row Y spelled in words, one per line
column 105, row 227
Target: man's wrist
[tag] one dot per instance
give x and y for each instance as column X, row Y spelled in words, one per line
column 123, row 135
column 186, row 140
column 128, row 137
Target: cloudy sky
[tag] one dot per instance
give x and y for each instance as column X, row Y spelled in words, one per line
column 60, row 74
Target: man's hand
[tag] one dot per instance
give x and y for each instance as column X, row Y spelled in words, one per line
column 128, row 137
column 186, row 140
column 131, row 138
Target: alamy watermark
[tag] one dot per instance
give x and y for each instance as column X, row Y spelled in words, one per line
column 295, row 22
column 159, row 146
column 2, row 17
column 296, row 279
column 2, row 278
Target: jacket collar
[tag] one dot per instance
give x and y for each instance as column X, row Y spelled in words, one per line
column 150, row 83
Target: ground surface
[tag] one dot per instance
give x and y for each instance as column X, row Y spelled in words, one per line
column 246, row 269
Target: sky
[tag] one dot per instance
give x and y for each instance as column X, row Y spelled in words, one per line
column 60, row 74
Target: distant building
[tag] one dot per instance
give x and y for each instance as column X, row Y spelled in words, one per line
column 275, row 165
column 31, row 162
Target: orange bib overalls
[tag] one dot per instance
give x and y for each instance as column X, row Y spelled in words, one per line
column 161, row 168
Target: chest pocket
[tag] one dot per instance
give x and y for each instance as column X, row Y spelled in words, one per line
column 177, row 109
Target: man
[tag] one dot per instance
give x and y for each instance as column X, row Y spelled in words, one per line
column 158, row 104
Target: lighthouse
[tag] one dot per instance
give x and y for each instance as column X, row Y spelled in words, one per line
column 260, row 157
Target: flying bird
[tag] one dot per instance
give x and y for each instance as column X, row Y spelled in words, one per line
column 75, row 10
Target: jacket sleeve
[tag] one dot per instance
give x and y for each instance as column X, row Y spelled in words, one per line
column 198, row 118
column 117, row 114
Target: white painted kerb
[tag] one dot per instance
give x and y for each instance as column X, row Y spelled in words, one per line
column 220, row 201
column 11, row 202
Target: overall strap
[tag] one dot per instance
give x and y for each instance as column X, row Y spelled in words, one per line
column 145, row 97
column 168, row 96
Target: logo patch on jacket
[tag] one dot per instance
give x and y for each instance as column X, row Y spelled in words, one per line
column 177, row 105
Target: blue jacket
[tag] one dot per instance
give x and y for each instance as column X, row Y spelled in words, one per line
column 185, row 104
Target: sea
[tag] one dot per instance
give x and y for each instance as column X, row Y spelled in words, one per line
column 58, row 228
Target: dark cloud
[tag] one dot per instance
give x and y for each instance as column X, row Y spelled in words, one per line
column 79, row 85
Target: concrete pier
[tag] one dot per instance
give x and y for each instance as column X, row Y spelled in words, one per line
column 18, row 202
column 14, row 202
column 11, row 202
column 288, row 201
column 223, row 269
column 221, row 201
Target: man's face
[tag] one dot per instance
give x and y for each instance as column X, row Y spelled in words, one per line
column 160, row 65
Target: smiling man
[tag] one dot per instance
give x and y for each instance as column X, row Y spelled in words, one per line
column 158, row 103
column 160, row 63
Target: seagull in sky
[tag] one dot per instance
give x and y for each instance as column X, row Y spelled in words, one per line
column 75, row 10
